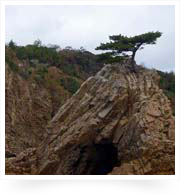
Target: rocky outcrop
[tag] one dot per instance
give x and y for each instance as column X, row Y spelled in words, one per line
column 118, row 122
column 22, row 164
column 29, row 107
column 26, row 112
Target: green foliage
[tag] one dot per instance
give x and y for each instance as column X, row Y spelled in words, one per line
column 25, row 72
column 74, row 62
column 37, row 43
column 70, row 84
column 70, row 69
column 21, row 53
column 120, row 45
column 37, row 51
column 167, row 83
column 108, row 58
column 42, row 71
column 12, row 44
column 14, row 67
column 78, row 62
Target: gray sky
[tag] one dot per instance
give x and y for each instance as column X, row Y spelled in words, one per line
column 88, row 26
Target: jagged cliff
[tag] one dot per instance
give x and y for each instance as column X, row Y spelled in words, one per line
column 36, row 84
column 118, row 122
column 29, row 106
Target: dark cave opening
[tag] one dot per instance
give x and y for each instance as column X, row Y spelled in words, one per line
column 105, row 158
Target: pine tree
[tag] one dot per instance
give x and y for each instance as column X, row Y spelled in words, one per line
column 12, row 44
column 120, row 46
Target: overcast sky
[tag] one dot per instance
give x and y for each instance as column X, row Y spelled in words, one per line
column 88, row 26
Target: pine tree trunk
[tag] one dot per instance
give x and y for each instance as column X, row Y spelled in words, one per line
column 132, row 61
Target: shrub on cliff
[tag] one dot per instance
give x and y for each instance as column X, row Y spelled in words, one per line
column 70, row 84
column 167, row 83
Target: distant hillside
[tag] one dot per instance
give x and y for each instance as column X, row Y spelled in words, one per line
column 75, row 62
column 63, row 69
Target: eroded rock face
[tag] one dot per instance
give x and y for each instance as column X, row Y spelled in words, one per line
column 28, row 108
column 22, row 164
column 30, row 104
column 118, row 122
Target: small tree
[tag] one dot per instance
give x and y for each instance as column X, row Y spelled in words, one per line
column 38, row 43
column 120, row 45
column 12, row 44
column 54, row 47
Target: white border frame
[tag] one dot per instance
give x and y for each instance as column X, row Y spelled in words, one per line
column 89, row 177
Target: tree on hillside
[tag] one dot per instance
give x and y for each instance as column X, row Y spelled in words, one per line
column 54, row 47
column 38, row 43
column 121, row 46
column 12, row 44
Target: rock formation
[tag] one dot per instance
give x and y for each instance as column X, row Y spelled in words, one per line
column 29, row 106
column 22, row 164
column 118, row 122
